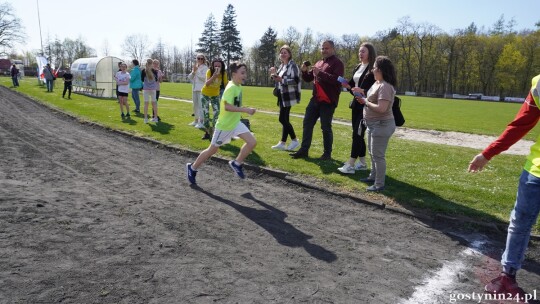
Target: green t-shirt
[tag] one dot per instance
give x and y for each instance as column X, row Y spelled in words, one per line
column 227, row 120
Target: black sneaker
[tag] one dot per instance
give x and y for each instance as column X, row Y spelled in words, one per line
column 205, row 136
column 191, row 174
column 123, row 115
column 128, row 116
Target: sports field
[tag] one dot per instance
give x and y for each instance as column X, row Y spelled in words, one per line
column 89, row 215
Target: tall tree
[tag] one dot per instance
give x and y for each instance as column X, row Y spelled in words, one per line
column 136, row 46
column 230, row 36
column 11, row 30
column 348, row 46
column 291, row 36
column 210, row 39
column 267, row 52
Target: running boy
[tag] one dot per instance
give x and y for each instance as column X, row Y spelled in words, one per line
column 229, row 125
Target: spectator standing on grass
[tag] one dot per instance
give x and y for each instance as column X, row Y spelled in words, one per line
column 228, row 126
column 363, row 78
column 198, row 78
column 122, row 84
column 14, row 72
column 527, row 205
column 323, row 103
column 68, row 83
column 160, row 79
column 379, row 119
column 150, row 80
column 135, row 83
column 287, row 86
column 211, row 95
column 119, row 69
column 49, row 77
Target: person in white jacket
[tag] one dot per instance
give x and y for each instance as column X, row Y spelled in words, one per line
column 198, row 78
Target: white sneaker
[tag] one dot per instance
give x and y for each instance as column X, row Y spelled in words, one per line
column 360, row 166
column 279, row 146
column 155, row 119
column 192, row 123
column 347, row 169
column 146, row 120
column 199, row 125
column 293, row 145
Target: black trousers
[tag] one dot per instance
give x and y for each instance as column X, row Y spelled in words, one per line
column 67, row 86
column 358, row 147
column 284, row 114
column 314, row 111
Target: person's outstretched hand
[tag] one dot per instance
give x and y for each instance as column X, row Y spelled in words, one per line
column 478, row 163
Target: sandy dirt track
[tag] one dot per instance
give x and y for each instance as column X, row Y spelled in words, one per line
column 88, row 215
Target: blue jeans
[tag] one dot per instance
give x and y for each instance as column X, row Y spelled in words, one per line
column 15, row 81
column 49, row 85
column 136, row 98
column 522, row 218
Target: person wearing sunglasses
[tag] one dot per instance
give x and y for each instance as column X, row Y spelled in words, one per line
column 198, row 78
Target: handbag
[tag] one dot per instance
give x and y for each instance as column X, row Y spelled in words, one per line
column 276, row 91
column 396, row 111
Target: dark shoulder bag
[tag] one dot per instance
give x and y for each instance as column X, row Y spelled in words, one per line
column 396, row 111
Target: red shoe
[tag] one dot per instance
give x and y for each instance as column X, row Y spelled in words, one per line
column 507, row 285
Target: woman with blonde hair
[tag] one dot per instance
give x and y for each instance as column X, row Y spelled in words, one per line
column 150, row 83
column 198, row 78
column 287, row 88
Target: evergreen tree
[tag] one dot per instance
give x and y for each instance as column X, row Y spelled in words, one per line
column 267, row 50
column 209, row 41
column 230, row 36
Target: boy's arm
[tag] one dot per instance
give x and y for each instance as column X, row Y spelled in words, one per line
column 232, row 108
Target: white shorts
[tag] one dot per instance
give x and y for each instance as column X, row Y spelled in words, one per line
column 221, row 137
column 149, row 95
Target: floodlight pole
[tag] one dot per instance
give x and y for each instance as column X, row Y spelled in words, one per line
column 39, row 22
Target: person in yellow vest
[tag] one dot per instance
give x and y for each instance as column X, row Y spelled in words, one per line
column 527, row 205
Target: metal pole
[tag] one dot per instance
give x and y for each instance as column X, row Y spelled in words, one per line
column 39, row 21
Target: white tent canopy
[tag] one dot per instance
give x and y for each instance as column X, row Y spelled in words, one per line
column 95, row 76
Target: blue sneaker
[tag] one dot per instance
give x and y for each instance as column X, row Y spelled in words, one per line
column 191, row 174
column 237, row 169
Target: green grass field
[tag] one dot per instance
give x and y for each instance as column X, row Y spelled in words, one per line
column 421, row 176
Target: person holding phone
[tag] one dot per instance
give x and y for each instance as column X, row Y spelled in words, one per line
column 198, row 78
column 287, row 83
column 211, row 95
column 325, row 98
column 362, row 78
column 379, row 119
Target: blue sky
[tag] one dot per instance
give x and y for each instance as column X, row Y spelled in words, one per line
column 180, row 23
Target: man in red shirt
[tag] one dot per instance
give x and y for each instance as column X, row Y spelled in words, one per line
column 326, row 90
